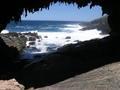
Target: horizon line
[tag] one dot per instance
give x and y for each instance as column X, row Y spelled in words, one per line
column 54, row 20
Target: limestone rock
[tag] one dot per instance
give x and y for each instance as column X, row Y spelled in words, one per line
column 11, row 84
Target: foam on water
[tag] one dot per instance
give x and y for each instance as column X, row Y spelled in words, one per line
column 32, row 31
column 55, row 40
column 4, row 31
column 71, row 27
column 60, row 38
column 50, row 41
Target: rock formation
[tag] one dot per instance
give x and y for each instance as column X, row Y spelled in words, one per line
column 11, row 84
column 68, row 61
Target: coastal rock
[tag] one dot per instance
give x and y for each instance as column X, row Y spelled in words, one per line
column 32, row 43
column 104, row 78
column 32, row 35
column 101, row 24
column 76, row 60
column 11, row 84
column 77, row 41
column 14, row 40
column 31, row 38
column 45, row 36
column 68, row 37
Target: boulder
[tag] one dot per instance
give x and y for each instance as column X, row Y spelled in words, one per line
column 68, row 37
column 45, row 36
column 32, row 43
column 14, row 40
column 11, row 84
column 31, row 38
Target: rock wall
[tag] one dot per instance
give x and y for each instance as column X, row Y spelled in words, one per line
column 10, row 46
column 14, row 40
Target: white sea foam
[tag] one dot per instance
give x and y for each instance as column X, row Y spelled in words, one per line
column 52, row 40
column 4, row 31
column 60, row 38
column 33, row 31
column 71, row 27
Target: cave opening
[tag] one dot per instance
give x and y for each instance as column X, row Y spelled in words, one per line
column 69, row 61
column 61, row 25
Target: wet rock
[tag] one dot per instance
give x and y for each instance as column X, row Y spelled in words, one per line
column 39, row 40
column 14, row 40
column 76, row 41
column 38, row 37
column 68, row 41
column 45, row 36
column 32, row 43
column 50, row 49
column 68, row 37
column 31, row 38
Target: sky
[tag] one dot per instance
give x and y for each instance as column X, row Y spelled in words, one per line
column 62, row 12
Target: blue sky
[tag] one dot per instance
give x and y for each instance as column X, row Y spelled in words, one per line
column 64, row 12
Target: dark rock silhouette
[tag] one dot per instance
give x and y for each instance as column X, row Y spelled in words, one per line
column 9, row 51
column 69, row 61
column 7, row 57
column 68, row 37
column 45, row 36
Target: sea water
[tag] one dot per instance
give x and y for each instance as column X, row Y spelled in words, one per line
column 54, row 34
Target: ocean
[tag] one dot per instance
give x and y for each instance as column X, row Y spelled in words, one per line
column 54, row 34
column 42, row 26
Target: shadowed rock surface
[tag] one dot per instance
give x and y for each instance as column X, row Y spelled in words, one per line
column 10, row 47
column 103, row 78
column 69, row 61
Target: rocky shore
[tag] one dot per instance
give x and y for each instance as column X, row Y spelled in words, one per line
column 101, row 24
column 14, row 40
column 88, row 65
column 11, row 45
column 18, row 40
column 76, row 60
